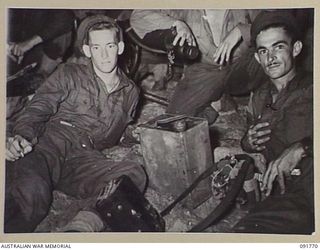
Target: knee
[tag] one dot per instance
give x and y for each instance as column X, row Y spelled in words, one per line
column 27, row 203
column 33, row 196
column 138, row 176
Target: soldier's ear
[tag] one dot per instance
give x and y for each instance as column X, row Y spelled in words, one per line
column 297, row 47
column 256, row 56
column 120, row 47
column 86, row 50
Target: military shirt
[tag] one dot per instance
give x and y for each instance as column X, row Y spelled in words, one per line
column 75, row 95
column 290, row 116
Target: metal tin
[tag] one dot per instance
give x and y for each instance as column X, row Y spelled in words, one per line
column 174, row 159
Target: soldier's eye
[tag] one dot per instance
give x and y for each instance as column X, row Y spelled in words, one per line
column 111, row 45
column 262, row 51
column 280, row 46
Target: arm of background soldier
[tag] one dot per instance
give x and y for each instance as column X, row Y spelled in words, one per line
column 146, row 21
column 58, row 22
column 19, row 49
column 241, row 32
column 285, row 163
column 44, row 104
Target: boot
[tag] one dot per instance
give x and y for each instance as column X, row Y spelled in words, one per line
column 127, row 210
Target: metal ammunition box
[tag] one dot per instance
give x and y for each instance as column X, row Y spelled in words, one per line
column 175, row 154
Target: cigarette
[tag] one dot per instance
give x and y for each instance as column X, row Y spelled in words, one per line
column 21, row 152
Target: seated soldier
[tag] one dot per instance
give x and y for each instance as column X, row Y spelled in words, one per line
column 57, row 141
column 38, row 35
column 280, row 126
column 225, row 64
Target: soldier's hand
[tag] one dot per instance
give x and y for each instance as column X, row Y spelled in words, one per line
column 19, row 49
column 257, row 135
column 282, row 167
column 17, row 147
column 225, row 48
column 183, row 34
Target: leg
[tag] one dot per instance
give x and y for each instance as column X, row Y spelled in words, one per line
column 48, row 65
column 54, row 52
column 85, row 175
column 281, row 214
column 291, row 213
column 245, row 74
column 86, row 172
column 203, row 83
column 28, row 193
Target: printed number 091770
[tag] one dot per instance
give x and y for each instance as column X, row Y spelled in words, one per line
column 309, row 245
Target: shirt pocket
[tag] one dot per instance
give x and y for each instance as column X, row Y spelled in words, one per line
column 81, row 101
column 298, row 121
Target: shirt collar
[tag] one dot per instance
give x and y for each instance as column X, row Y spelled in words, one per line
column 124, row 81
column 292, row 85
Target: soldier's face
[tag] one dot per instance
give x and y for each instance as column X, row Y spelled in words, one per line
column 276, row 53
column 104, row 50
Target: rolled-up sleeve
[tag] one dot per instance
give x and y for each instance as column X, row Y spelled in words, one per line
column 145, row 21
column 245, row 27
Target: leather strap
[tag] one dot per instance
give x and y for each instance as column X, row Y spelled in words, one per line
column 225, row 203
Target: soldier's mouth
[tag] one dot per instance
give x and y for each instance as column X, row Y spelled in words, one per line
column 273, row 66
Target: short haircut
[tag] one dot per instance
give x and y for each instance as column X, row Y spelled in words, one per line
column 293, row 34
column 276, row 19
column 96, row 22
column 104, row 26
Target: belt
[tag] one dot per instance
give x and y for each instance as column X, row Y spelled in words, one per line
column 84, row 139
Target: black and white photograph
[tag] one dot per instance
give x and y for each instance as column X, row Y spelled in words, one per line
column 181, row 120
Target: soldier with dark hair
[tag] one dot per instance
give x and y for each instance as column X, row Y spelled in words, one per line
column 225, row 63
column 280, row 126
